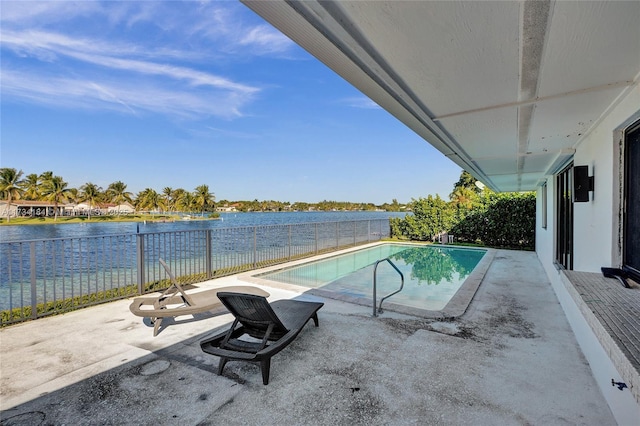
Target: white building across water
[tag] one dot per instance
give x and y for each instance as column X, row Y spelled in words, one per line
column 29, row 208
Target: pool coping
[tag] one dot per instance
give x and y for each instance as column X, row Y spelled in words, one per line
column 455, row 308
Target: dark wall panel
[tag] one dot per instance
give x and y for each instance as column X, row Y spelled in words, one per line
column 632, row 200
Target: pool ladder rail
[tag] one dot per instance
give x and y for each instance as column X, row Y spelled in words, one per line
column 375, row 270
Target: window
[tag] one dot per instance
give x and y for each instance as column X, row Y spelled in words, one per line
column 564, row 215
column 631, row 211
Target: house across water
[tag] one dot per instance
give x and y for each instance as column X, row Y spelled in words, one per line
column 28, row 208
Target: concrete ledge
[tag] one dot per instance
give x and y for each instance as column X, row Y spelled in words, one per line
column 587, row 329
column 587, row 290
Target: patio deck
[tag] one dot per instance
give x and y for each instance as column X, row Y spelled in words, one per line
column 613, row 313
column 510, row 359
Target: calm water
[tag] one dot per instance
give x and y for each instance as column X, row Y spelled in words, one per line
column 75, row 230
column 72, row 259
column 432, row 274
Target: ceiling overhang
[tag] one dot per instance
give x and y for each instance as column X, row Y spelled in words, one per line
column 503, row 89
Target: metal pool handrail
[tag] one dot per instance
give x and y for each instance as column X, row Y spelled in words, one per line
column 375, row 269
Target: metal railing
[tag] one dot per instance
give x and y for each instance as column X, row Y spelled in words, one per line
column 49, row 276
column 375, row 285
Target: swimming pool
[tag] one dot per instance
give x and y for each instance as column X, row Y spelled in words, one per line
column 433, row 274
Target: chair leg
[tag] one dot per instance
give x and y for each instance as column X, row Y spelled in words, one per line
column 315, row 319
column 265, row 366
column 223, row 362
column 156, row 326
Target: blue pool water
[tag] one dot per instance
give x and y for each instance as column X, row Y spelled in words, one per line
column 433, row 274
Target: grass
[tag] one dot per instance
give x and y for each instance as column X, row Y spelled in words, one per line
column 9, row 316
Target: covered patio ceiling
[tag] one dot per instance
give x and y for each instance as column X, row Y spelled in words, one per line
column 505, row 89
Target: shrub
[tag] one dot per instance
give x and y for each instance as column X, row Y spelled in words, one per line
column 505, row 220
column 498, row 220
column 431, row 216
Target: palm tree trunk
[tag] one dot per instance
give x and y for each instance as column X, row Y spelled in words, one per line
column 9, row 208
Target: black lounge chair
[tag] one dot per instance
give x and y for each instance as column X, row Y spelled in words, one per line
column 620, row 274
column 272, row 327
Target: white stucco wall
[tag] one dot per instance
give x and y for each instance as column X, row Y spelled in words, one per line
column 595, row 236
column 594, row 221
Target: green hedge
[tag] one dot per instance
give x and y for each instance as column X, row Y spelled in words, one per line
column 430, row 216
column 505, row 220
column 497, row 219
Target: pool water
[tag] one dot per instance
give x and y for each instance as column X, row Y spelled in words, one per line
column 432, row 274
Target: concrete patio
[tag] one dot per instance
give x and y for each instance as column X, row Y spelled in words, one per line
column 510, row 359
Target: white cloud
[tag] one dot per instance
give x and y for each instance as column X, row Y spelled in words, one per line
column 266, row 39
column 91, row 71
column 229, row 25
column 360, row 102
column 129, row 98
column 48, row 45
column 33, row 13
column 157, row 56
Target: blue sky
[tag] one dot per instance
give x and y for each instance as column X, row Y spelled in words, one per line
column 180, row 94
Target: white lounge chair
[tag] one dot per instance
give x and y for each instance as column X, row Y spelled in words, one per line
column 174, row 301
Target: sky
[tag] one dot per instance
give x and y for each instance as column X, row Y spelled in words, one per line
column 179, row 94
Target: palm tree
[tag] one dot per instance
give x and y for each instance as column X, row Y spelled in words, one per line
column 148, row 199
column 467, row 181
column 117, row 193
column 44, row 178
column 184, row 200
column 167, row 192
column 202, row 198
column 463, row 196
column 31, row 187
column 10, row 186
column 55, row 189
column 91, row 193
column 74, row 195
